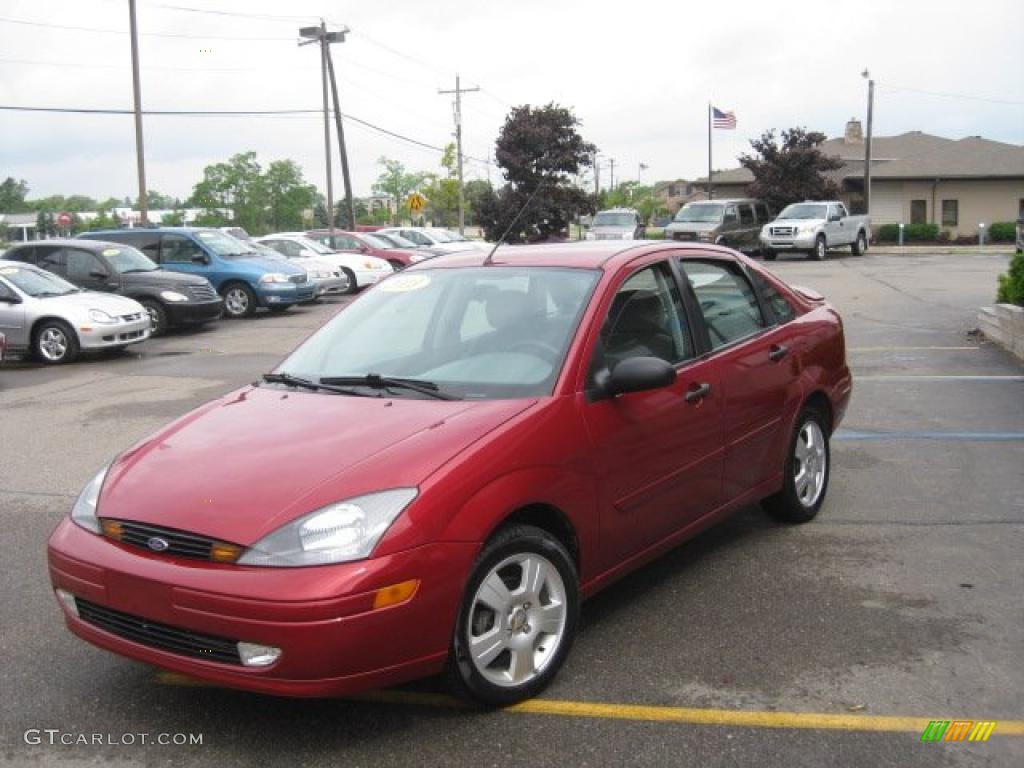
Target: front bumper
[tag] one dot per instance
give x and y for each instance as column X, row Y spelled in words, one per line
column 280, row 294
column 119, row 334
column 329, row 286
column 365, row 277
column 333, row 642
column 782, row 243
column 188, row 313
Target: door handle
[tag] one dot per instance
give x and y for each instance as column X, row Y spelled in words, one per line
column 698, row 393
column 777, row 352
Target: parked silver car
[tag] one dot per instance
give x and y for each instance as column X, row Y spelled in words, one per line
column 51, row 318
column 616, row 224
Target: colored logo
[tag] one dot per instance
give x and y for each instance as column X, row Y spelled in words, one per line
column 958, row 730
column 157, row 544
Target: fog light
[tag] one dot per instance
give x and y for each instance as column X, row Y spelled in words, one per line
column 256, row 655
column 68, row 601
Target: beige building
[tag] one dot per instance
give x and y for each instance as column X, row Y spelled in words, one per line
column 920, row 178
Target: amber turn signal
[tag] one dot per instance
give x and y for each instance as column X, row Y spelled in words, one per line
column 225, row 553
column 112, row 529
column 395, row 594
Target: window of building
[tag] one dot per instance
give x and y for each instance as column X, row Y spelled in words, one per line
column 950, row 213
column 918, row 211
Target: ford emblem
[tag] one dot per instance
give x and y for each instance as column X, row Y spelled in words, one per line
column 157, row 544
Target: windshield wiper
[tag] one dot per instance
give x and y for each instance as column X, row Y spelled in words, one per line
column 377, row 381
column 295, row 381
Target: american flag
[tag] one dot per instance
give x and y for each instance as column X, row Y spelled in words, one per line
column 720, row 119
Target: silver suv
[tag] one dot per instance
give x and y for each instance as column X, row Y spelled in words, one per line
column 616, row 224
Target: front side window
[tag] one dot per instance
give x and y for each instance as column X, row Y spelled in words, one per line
column 477, row 333
column 51, row 258
column 646, row 320
column 746, row 214
column 727, row 301
column 178, row 249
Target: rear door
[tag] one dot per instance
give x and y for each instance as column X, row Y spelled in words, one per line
column 757, row 365
column 658, row 455
column 12, row 315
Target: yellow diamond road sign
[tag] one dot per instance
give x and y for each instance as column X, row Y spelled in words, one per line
column 417, row 202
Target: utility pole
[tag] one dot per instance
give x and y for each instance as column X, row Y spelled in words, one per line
column 459, row 90
column 611, row 163
column 314, row 35
column 328, row 38
column 597, row 176
column 867, row 143
column 140, row 153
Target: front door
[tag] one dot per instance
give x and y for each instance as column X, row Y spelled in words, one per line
column 658, row 453
column 12, row 315
column 756, row 363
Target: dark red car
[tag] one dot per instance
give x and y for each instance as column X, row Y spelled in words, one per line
column 438, row 476
column 371, row 245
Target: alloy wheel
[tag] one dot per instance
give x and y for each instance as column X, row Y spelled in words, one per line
column 53, row 344
column 810, row 464
column 236, row 302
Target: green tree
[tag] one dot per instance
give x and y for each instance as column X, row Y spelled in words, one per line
column 238, row 185
column 398, row 183
column 158, row 201
column 539, row 150
column 103, row 220
column 288, row 195
column 475, row 190
column 792, row 170
column 12, row 195
column 175, row 218
column 442, row 192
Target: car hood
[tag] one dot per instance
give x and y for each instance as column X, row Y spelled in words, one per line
column 242, row 466
column 796, row 223
column 693, row 226
column 83, row 301
column 269, row 265
column 161, row 279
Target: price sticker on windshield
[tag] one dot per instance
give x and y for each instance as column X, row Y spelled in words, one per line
column 111, row 251
column 405, row 283
column 9, row 270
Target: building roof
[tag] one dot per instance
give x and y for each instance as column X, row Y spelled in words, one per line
column 913, row 155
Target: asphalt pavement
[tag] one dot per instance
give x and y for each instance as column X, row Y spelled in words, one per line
column 832, row 643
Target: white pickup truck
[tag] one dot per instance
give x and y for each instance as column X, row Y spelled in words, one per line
column 813, row 228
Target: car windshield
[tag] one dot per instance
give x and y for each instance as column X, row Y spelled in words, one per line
column 439, row 235
column 128, row 259
column 395, row 240
column 36, row 283
column 804, row 211
column 449, row 236
column 476, row 333
column 224, row 245
column 377, row 242
column 701, row 212
column 608, row 219
column 313, row 245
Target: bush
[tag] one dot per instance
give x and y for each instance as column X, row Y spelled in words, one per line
column 1002, row 232
column 1011, row 285
column 920, row 232
column 888, row 233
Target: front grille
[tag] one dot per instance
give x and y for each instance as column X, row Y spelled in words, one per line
column 782, row 231
column 184, row 642
column 132, row 318
column 179, row 543
column 684, row 235
column 202, row 293
column 298, row 278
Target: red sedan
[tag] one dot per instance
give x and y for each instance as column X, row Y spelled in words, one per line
column 438, row 476
column 369, row 244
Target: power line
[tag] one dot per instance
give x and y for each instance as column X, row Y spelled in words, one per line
column 969, row 97
column 237, row 14
column 97, row 30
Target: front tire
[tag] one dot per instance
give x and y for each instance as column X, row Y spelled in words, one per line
column 54, row 342
column 806, row 474
column 769, row 255
column 860, row 245
column 517, row 620
column 239, row 300
column 353, row 286
column 157, row 317
column 820, row 249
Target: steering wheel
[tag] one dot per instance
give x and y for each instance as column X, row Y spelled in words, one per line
column 547, row 352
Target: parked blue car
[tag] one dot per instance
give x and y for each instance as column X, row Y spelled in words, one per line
column 245, row 279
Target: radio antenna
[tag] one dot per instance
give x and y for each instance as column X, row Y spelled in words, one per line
column 501, row 240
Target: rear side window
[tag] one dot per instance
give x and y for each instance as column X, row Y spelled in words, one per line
column 780, row 307
column 50, row 258
column 727, row 300
column 25, row 254
column 746, row 214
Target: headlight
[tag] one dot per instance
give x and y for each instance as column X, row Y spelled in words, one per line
column 173, row 296
column 808, row 228
column 274, row 277
column 84, row 511
column 99, row 316
column 590, row 236
column 707, row 237
column 416, row 258
column 372, row 265
column 627, row 235
column 340, row 532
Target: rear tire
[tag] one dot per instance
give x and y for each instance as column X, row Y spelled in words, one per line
column 806, row 473
column 396, row 265
column 239, row 300
column 54, row 342
column 860, row 245
column 517, row 620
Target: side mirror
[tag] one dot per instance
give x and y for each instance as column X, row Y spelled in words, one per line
column 200, row 258
column 12, row 299
column 639, row 374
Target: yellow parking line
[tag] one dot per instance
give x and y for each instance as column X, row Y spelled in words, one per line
column 689, row 715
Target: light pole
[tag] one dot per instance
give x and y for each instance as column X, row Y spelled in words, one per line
column 140, row 153
column 867, row 144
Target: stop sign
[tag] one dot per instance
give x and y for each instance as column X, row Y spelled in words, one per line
column 64, row 219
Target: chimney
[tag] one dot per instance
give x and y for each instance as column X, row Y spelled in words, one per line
column 854, row 132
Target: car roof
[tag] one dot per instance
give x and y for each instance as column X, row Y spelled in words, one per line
column 144, row 230
column 587, row 254
column 73, row 242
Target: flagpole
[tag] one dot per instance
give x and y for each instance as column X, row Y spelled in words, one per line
column 711, row 189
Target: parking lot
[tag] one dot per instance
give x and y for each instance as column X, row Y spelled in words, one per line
column 755, row 643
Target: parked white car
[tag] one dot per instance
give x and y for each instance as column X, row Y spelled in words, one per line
column 435, row 238
column 54, row 320
column 361, row 270
column 813, row 227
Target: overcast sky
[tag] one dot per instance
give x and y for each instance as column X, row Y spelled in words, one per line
column 638, row 75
